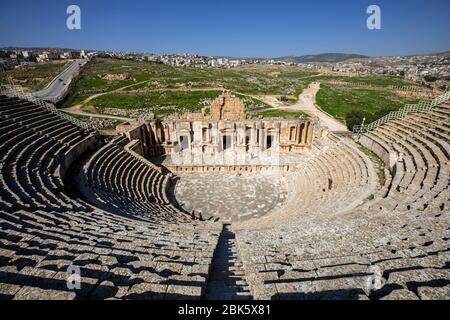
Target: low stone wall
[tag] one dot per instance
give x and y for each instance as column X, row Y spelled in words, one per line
column 135, row 149
column 389, row 158
column 167, row 183
column 231, row 169
column 75, row 152
column 405, row 91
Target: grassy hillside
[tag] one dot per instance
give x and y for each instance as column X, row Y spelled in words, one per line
column 339, row 101
column 166, row 90
column 36, row 76
column 258, row 79
column 161, row 104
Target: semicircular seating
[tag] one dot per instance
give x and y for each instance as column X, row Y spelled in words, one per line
column 33, row 143
column 334, row 176
column 340, row 235
column 45, row 234
column 123, row 182
column 393, row 246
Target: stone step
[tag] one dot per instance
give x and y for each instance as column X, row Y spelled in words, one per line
column 227, row 277
column 239, row 285
column 229, row 296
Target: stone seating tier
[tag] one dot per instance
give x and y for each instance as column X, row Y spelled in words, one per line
column 340, row 234
column 399, row 237
column 43, row 231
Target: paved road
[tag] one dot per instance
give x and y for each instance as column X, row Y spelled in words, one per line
column 58, row 87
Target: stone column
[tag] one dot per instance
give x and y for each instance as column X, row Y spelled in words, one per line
column 215, row 134
column 262, row 137
column 197, row 137
column 173, row 133
column 276, row 139
column 297, row 133
column 305, row 132
column 310, row 134
column 253, row 137
column 166, row 133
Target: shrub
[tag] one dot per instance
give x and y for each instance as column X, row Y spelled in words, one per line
column 355, row 117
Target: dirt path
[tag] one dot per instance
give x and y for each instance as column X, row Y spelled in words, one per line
column 307, row 102
column 77, row 107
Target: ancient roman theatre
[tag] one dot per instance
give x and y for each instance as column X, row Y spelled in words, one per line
column 217, row 205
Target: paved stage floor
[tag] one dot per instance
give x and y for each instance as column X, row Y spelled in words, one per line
column 231, row 197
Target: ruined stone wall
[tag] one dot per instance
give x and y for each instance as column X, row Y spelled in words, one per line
column 213, row 137
column 75, row 152
column 151, row 135
column 225, row 128
column 227, row 107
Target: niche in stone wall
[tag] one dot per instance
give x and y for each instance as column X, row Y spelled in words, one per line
column 269, row 141
column 226, row 142
column 184, row 142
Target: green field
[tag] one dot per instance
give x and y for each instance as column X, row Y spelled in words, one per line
column 254, row 79
column 340, row 101
column 379, row 81
column 161, row 104
column 166, row 103
column 36, row 76
column 167, row 90
column 145, row 76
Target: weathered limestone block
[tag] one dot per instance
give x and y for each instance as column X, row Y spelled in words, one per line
column 227, row 107
column 35, row 293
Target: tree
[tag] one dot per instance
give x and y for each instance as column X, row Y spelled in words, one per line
column 355, row 117
column 381, row 113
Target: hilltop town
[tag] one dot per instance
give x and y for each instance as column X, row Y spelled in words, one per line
column 432, row 69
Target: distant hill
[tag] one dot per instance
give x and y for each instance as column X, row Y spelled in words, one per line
column 323, row 57
column 436, row 54
column 444, row 54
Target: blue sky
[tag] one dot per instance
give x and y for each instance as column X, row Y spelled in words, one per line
column 234, row 28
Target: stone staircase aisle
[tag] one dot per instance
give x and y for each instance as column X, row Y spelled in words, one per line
column 227, row 278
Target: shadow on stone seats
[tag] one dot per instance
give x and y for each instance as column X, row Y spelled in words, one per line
column 385, row 291
column 436, row 283
column 332, row 277
column 151, row 295
column 24, row 280
column 342, row 294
